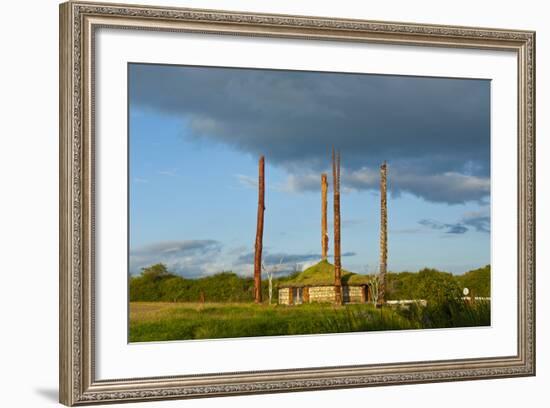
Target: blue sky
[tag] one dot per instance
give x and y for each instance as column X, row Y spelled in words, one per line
column 196, row 133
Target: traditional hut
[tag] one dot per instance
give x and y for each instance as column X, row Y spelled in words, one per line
column 316, row 285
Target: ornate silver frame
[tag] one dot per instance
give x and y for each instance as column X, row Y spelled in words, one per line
column 78, row 22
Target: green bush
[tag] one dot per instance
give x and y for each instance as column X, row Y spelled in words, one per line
column 477, row 281
column 434, row 285
column 155, row 283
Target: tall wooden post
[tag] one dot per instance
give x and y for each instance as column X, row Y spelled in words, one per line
column 383, row 234
column 259, row 233
column 337, row 249
column 324, row 233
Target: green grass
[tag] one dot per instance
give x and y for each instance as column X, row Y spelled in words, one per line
column 160, row 321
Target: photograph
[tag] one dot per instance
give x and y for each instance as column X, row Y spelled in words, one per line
column 266, row 202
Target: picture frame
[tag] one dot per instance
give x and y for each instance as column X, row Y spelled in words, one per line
column 79, row 23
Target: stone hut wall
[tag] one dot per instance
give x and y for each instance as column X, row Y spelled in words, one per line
column 284, row 296
column 321, row 294
column 353, row 294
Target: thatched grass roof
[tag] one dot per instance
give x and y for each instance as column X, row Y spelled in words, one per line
column 322, row 274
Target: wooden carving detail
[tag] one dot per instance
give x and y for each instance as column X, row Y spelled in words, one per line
column 324, row 232
column 290, row 296
column 383, row 234
column 259, row 232
column 337, row 249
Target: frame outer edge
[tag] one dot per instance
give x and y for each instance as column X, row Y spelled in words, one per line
column 66, row 361
column 532, row 200
column 76, row 382
column 534, row 237
column 526, row 204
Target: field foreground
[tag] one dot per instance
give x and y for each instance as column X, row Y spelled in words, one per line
column 160, row 321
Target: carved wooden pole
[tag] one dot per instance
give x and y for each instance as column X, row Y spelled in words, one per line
column 383, row 234
column 324, row 233
column 259, row 233
column 337, row 260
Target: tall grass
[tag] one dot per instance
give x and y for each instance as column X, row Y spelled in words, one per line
column 357, row 319
column 182, row 321
column 156, row 321
column 454, row 313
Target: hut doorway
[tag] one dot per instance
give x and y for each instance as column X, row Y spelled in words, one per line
column 297, row 296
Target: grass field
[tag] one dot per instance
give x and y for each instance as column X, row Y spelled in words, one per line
column 160, row 321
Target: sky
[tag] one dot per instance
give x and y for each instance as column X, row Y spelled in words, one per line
column 196, row 134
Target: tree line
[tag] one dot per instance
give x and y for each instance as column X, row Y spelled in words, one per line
column 157, row 283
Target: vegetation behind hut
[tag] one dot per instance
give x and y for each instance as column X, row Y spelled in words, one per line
column 156, row 283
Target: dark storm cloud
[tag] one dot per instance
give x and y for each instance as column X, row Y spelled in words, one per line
column 190, row 258
column 433, row 132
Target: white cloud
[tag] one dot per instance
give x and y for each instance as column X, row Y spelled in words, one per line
column 168, row 172
column 247, row 181
column 449, row 187
column 189, row 258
